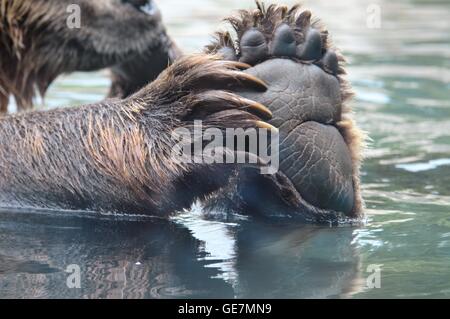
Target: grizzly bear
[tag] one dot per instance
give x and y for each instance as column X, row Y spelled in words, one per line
column 38, row 42
column 115, row 155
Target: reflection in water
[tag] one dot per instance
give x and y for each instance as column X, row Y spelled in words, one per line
column 153, row 258
column 401, row 76
column 118, row 258
column 296, row 262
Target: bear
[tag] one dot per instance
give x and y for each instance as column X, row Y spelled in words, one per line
column 38, row 43
column 281, row 73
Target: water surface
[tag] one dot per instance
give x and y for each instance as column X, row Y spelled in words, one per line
column 400, row 73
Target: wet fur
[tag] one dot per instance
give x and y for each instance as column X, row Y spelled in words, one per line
column 35, row 49
column 115, row 156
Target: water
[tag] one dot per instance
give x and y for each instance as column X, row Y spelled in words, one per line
column 401, row 76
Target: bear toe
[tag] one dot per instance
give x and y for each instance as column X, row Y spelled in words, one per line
column 254, row 47
column 330, row 62
column 311, row 49
column 284, row 43
column 228, row 54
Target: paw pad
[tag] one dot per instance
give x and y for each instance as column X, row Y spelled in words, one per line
column 253, row 47
column 276, row 32
column 311, row 49
column 284, row 43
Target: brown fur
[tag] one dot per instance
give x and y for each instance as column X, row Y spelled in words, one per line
column 36, row 46
column 16, row 78
column 116, row 155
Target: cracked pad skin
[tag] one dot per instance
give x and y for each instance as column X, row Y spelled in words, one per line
column 305, row 102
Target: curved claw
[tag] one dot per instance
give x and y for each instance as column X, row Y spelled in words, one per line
column 267, row 126
column 216, row 101
column 248, row 80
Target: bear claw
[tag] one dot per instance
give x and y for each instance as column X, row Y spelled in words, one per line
column 213, row 101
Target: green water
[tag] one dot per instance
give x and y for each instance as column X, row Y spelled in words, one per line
column 400, row 73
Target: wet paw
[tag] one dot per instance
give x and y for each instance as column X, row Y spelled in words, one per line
column 292, row 54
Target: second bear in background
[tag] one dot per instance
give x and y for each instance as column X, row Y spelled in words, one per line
column 37, row 45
